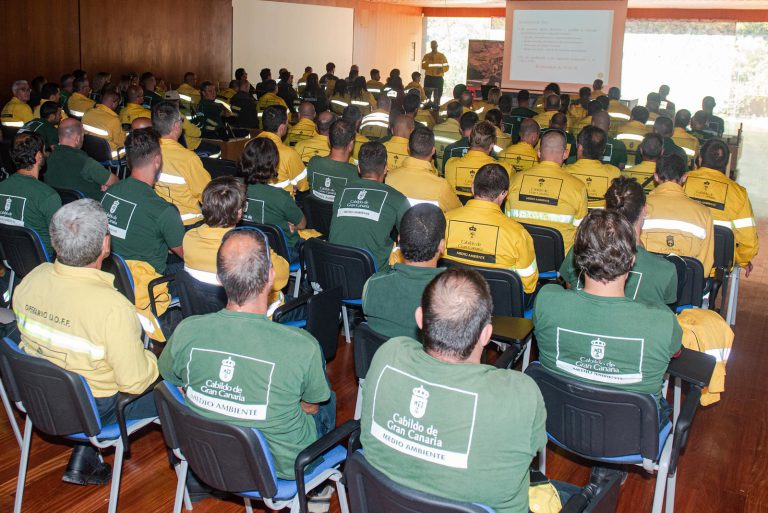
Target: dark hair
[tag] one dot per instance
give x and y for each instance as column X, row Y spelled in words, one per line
column 330, row 67
column 239, row 72
column 559, row 121
column 594, row 107
column 49, row 89
column 614, row 93
column 653, row 98
column 490, row 181
column 604, row 247
column 554, row 87
column 352, row 114
column 48, row 108
column 324, row 122
column 652, row 146
column 164, row 115
column 483, row 135
column 456, row 307
column 584, row 93
column 663, row 126
column 592, row 141
column 26, row 146
column 604, row 101
column 493, row 116
column 421, row 230
column 715, row 154
column 468, row 120
column 341, row 133
column 640, row 114
column 505, row 104
column 671, row 168
column 265, row 73
column 340, row 87
column 523, row 95
column 421, row 142
column 531, row 127
column 372, row 159
column 358, row 86
column 411, row 102
column 259, row 160
column 565, row 102
column 243, row 274
column 458, row 89
column 141, row 146
column 682, row 118
column 205, row 85
column 313, row 83
column 222, row 198
column 454, row 109
column 626, row 195
column 269, row 85
column 78, row 82
column 273, row 117
column 597, row 84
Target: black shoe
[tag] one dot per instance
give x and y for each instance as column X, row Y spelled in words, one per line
column 85, row 467
column 199, row 491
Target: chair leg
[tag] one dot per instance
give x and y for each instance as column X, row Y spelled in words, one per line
column 297, row 284
column 248, row 507
column 23, row 462
column 181, row 487
column 733, row 296
column 670, row 505
column 117, row 470
column 11, row 416
column 341, row 490
column 543, row 460
column 359, row 401
column 345, row 316
column 527, row 355
column 661, row 477
column 677, row 401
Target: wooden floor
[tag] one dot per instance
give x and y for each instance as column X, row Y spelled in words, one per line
column 724, row 469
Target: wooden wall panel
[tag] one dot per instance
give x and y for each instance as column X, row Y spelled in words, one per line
column 38, row 37
column 167, row 38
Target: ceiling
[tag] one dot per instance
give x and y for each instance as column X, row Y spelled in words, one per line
column 665, row 4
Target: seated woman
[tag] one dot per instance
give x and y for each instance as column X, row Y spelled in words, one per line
column 224, row 202
column 267, row 204
column 340, row 99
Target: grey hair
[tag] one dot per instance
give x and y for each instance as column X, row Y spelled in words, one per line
column 77, row 230
column 17, row 85
column 244, row 273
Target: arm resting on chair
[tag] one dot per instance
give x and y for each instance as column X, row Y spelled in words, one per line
column 154, row 283
column 508, row 358
column 693, row 367
column 683, row 425
column 290, row 305
column 123, row 400
column 314, row 451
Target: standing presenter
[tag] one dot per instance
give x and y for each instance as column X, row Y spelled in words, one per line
column 435, row 65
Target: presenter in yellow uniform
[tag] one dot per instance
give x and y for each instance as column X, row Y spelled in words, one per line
column 460, row 171
column 727, row 201
column 435, row 66
column 547, row 195
column 480, row 234
column 589, row 167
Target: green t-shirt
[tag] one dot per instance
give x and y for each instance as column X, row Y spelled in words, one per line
column 456, row 149
column 467, row 432
column 605, row 340
column 514, row 119
column 26, row 201
column 390, row 299
column 652, row 279
column 271, row 205
column 615, row 153
column 151, row 99
column 245, row 369
column 142, row 224
column 47, row 131
column 72, row 168
column 365, row 213
column 327, row 177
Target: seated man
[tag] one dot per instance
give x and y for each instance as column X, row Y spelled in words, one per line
column 329, row 175
column 102, row 121
column 618, row 112
column 682, row 138
column 134, row 108
column 503, row 139
column 632, row 132
column 546, row 194
column 653, row 104
column 675, row 223
column 480, row 234
column 317, row 145
column 650, row 151
column 101, row 338
column 269, row 96
column 698, row 122
column 189, row 89
column 213, row 112
column 397, row 145
column 277, row 369
column 192, row 133
column 25, row 199
column 223, row 205
column 286, row 91
column 714, row 126
column 69, row 167
column 448, row 131
column 459, row 148
column 375, row 85
column 512, row 118
column 17, row 112
column 589, row 167
column 560, row 122
column 460, row 171
column 148, row 83
column 376, row 124
column 431, row 418
column 523, row 155
column 291, row 172
column 244, row 106
column 665, row 128
column 417, row 177
column 615, row 152
column 366, row 211
column 597, row 334
column 50, row 93
column 353, row 115
column 183, row 177
column 305, row 127
column 45, row 125
column 421, row 243
column 551, row 107
column 652, row 279
column 727, row 201
column 79, row 102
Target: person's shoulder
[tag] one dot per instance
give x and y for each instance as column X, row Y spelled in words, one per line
column 551, row 292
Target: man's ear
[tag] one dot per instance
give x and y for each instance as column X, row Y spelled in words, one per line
column 441, row 247
column 485, row 335
column 106, row 245
column 419, row 315
column 683, row 178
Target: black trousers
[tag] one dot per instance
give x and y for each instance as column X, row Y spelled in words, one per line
column 433, row 86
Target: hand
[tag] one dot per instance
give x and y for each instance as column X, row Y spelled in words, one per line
column 103, row 188
column 310, row 408
column 292, row 227
column 748, row 269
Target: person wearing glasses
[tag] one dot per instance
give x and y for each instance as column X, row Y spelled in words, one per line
column 17, row 112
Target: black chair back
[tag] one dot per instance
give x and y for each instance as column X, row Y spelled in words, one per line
column 58, row 402
column 9, row 132
column 116, row 266
column 225, row 456
column 275, row 237
column 690, row 280
column 724, row 247
column 370, row 491
column 23, row 249
column 219, row 167
column 7, row 167
column 548, row 245
column 333, row 265
column 506, row 288
column 318, row 213
column 69, row 195
column 97, row 148
column 323, row 312
column 366, row 342
column 197, row 297
column 597, row 422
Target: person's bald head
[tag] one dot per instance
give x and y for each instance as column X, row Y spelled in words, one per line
column 243, row 266
column 559, row 121
column 466, row 99
column 139, row 123
column 71, row 133
column 324, row 121
column 307, row 110
column 552, row 102
column 553, row 147
column 529, row 131
column 601, row 119
column 135, row 94
column 403, row 126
